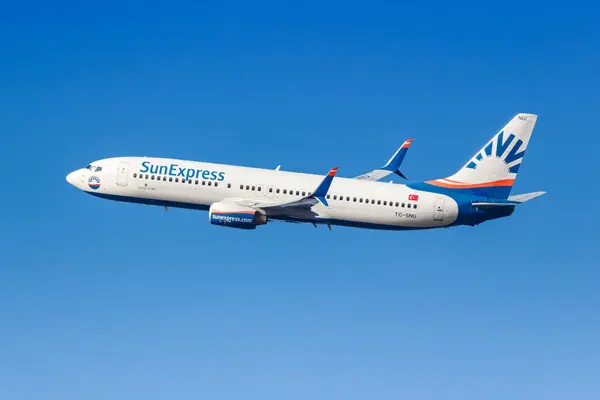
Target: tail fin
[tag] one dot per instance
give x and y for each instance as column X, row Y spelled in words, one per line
column 493, row 170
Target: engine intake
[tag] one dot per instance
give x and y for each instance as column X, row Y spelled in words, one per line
column 234, row 216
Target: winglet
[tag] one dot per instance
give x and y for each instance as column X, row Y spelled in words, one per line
column 323, row 188
column 333, row 171
column 391, row 167
column 394, row 163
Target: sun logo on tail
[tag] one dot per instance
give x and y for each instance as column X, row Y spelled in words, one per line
column 499, row 148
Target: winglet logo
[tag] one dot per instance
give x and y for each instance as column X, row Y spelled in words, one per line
column 512, row 158
column 94, row 182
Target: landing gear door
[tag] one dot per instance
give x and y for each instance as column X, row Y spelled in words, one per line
column 122, row 174
column 438, row 210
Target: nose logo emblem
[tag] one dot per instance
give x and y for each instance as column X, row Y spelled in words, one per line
column 94, row 182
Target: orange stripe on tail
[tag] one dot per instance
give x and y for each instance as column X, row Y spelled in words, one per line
column 460, row 185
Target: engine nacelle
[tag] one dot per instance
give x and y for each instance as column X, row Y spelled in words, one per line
column 232, row 215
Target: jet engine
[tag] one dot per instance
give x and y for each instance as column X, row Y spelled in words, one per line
column 235, row 216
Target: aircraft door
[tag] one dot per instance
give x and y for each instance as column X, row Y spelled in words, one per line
column 122, row 174
column 438, row 209
column 270, row 191
column 259, row 190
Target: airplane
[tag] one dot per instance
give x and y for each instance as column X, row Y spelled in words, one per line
column 244, row 197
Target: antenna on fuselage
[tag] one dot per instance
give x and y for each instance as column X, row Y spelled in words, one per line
column 278, row 167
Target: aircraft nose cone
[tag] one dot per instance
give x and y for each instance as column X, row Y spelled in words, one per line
column 72, row 178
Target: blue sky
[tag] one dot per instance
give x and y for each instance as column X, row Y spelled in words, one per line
column 100, row 300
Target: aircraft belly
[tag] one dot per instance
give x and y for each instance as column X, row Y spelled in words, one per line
column 421, row 217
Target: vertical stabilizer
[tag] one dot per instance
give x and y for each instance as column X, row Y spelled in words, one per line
column 493, row 170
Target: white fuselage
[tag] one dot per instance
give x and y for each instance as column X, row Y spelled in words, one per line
column 197, row 185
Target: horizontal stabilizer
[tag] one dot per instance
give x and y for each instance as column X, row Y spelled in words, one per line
column 522, row 198
column 510, row 202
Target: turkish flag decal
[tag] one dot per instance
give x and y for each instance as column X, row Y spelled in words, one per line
column 413, row 197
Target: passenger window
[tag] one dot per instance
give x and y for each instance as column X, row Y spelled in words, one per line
column 347, row 198
column 170, row 179
column 385, row 203
column 397, row 204
column 203, row 183
column 209, row 183
column 391, row 204
column 135, row 175
column 408, row 205
column 335, row 196
column 328, row 196
column 247, row 187
column 259, row 188
column 402, row 205
column 146, row 176
column 303, row 193
column 360, row 200
column 164, row 178
column 277, row 191
column 414, row 206
column 284, row 191
column 378, row 202
column 270, row 190
column 176, row 179
column 367, row 201
column 217, row 184
column 372, row 201
column 242, row 187
column 354, row 199
column 229, row 186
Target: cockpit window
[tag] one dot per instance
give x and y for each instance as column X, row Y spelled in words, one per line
column 93, row 168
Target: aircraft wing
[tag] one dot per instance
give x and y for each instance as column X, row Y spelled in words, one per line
column 391, row 167
column 297, row 208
